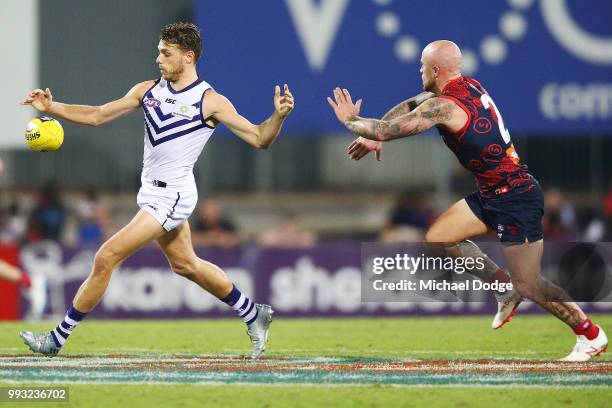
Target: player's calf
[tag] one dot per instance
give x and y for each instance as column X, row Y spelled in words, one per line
column 539, row 290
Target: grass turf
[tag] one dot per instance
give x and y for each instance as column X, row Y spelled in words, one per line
column 526, row 337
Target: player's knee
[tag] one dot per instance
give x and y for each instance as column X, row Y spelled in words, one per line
column 431, row 236
column 435, row 235
column 184, row 267
column 104, row 262
column 527, row 289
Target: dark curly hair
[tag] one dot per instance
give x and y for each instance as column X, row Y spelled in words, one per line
column 186, row 36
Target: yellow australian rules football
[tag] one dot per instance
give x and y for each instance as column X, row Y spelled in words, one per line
column 44, row 134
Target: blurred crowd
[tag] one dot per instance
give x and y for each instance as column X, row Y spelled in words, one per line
column 49, row 217
column 213, row 227
column 562, row 220
column 87, row 221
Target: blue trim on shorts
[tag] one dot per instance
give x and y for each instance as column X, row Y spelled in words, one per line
column 173, row 207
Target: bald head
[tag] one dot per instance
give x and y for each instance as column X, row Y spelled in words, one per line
column 445, row 54
column 441, row 62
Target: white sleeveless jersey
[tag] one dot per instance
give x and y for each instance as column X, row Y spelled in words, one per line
column 175, row 134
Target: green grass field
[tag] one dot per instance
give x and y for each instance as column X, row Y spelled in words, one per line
column 176, row 348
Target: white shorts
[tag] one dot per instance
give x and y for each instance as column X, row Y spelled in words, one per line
column 169, row 208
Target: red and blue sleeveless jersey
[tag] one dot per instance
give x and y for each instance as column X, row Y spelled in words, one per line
column 483, row 146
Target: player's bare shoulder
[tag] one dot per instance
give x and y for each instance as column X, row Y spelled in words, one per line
column 215, row 103
column 139, row 90
column 438, row 110
column 443, row 112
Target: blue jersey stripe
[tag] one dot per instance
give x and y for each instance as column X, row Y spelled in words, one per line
column 148, row 92
column 172, row 125
column 171, row 136
column 195, row 83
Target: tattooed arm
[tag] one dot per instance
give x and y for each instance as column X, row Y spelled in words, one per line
column 434, row 111
column 408, row 105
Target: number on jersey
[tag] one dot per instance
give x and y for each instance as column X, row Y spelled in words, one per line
column 488, row 103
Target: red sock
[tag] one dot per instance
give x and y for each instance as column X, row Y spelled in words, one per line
column 501, row 277
column 587, row 329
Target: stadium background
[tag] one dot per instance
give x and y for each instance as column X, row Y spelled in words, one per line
column 555, row 96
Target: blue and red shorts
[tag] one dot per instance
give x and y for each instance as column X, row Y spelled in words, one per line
column 515, row 214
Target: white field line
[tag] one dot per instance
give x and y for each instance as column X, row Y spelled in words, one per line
column 297, row 363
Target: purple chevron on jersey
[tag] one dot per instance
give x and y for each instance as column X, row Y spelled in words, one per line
column 171, row 125
column 172, row 136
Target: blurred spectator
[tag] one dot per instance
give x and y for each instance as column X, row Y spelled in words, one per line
column 599, row 228
column 14, row 225
column 409, row 219
column 211, row 227
column 94, row 221
column 559, row 221
column 289, row 233
column 48, row 217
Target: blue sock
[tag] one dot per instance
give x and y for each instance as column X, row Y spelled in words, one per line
column 242, row 304
column 64, row 329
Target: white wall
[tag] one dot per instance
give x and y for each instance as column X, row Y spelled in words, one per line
column 18, row 68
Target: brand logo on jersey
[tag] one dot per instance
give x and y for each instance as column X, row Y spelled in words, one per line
column 494, row 150
column 475, row 164
column 171, row 101
column 152, row 103
column 186, row 111
column 500, row 230
column 482, row 125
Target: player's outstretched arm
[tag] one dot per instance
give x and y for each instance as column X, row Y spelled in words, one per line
column 260, row 136
column 408, row 105
column 360, row 147
column 86, row 114
column 434, row 111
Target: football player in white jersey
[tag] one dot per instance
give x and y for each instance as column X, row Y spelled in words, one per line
column 168, row 194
